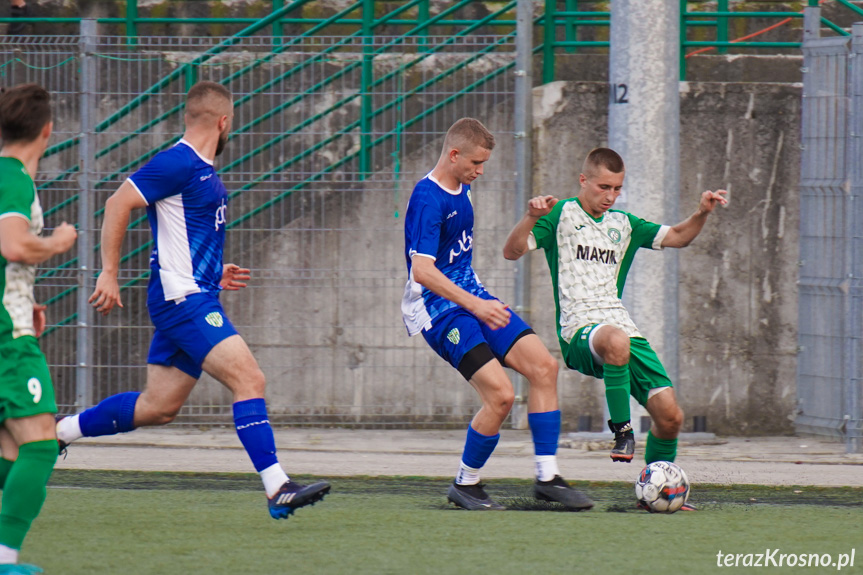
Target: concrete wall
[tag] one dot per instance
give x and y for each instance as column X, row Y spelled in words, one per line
column 738, row 295
column 324, row 318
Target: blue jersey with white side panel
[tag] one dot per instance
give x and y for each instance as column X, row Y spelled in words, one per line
column 186, row 208
column 438, row 225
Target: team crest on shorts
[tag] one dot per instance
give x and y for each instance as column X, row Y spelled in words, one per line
column 614, row 234
column 215, row 319
column 454, row 336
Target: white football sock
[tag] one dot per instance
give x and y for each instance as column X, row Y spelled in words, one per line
column 466, row 475
column 8, row 555
column 69, row 429
column 273, row 477
column 546, row 467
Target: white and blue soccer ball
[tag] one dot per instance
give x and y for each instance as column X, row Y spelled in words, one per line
column 662, row 487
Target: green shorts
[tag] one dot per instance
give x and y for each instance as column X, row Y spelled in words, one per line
column 645, row 369
column 25, row 384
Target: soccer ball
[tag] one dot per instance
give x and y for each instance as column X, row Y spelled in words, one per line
column 662, row 487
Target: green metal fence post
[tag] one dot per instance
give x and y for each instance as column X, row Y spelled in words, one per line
column 682, row 40
column 277, row 24
column 423, row 13
column 366, row 97
column 548, row 43
column 722, row 26
column 190, row 75
column 570, row 25
column 132, row 22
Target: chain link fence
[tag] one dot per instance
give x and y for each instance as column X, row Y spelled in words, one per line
column 329, row 136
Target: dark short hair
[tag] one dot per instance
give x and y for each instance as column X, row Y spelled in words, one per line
column 24, row 112
column 603, row 158
column 469, row 132
column 203, row 98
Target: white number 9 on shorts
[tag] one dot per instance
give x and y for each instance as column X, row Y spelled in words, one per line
column 34, row 386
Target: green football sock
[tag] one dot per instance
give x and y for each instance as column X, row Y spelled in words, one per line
column 659, row 449
column 617, row 391
column 24, row 492
column 5, row 466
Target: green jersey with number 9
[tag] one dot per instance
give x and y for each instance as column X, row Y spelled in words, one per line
column 25, row 384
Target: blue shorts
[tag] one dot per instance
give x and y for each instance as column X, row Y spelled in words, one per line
column 186, row 332
column 456, row 332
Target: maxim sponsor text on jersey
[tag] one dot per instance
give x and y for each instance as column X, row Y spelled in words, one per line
column 592, row 254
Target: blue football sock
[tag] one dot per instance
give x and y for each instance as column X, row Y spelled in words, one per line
column 545, row 428
column 478, row 448
column 256, row 435
column 115, row 414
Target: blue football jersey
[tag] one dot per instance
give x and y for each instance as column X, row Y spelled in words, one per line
column 186, row 208
column 438, row 225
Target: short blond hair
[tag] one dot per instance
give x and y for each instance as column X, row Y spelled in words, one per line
column 466, row 134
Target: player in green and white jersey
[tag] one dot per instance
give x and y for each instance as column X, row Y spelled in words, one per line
column 28, row 443
column 589, row 248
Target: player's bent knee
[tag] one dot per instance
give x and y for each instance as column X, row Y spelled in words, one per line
column 550, row 368
column 670, row 423
column 618, row 349
column 678, row 419
column 543, row 374
column 257, row 383
column 155, row 418
column 155, row 415
column 502, row 402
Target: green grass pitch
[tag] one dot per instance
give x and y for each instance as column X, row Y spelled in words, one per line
column 163, row 523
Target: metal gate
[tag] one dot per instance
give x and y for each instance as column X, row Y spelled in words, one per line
column 830, row 327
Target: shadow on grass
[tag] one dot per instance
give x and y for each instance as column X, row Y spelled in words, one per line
column 515, row 494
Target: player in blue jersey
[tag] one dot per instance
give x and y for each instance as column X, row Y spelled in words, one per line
column 186, row 205
column 471, row 329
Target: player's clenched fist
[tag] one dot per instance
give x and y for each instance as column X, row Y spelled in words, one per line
column 64, row 237
column 492, row 312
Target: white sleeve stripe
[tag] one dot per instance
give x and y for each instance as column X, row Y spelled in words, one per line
column 416, row 253
column 531, row 242
column 660, row 235
column 14, row 214
column 137, row 189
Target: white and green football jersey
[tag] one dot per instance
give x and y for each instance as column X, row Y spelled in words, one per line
column 589, row 259
column 18, row 199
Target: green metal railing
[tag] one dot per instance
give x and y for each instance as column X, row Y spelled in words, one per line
column 721, row 18
column 369, row 83
column 569, row 22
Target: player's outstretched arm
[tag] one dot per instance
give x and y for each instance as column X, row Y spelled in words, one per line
column 492, row 312
column 516, row 242
column 682, row 234
column 117, row 210
column 18, row 244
